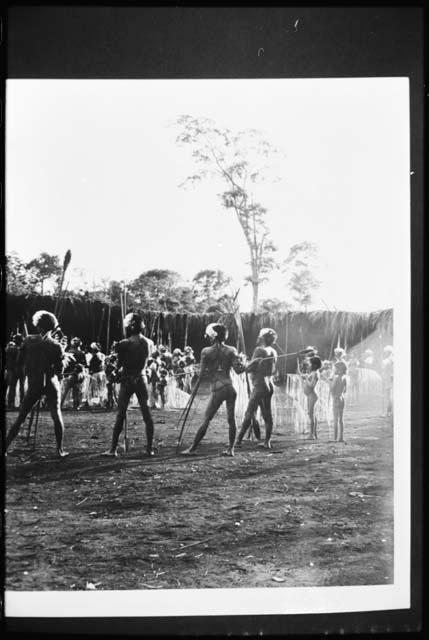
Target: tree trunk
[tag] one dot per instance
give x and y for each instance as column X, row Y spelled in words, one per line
column 255, row 286
column 255, row 303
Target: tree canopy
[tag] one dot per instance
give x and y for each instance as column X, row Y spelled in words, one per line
column 239, row 160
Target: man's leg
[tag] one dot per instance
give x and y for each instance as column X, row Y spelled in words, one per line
column 216, row 399
column 76, row 395
column 340, row 421
column 125, row 393
column 142, row 397
column 252, row 406
column 311, row 401
column 11, row 381
column 67, row 385
column 33, row 394
column 21, row 378
column 267, row 415
column 53, row 397
column 230, row 411
column 335, row 412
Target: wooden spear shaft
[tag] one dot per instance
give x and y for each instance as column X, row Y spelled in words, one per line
column 123, row 302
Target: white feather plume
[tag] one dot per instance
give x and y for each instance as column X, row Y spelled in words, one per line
column 40, row 314
column 210, row 332
column 267, row 331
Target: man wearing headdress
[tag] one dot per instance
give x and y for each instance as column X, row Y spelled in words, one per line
column 217, row 362
column 132, row 354
column 14, row 370
column 43, row 359
column 261, row 368
column 74, row 373
column 339, row 355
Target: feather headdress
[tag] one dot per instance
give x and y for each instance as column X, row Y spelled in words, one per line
column 267, row 332
column 133, row 320
column 339, row 351
column 212, row 330
column 45, row 320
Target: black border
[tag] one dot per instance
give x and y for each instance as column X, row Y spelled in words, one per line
column 133, row 41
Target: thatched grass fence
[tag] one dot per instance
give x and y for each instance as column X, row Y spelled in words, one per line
column 88, row 319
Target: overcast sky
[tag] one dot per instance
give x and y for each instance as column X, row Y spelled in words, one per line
column 92, row 165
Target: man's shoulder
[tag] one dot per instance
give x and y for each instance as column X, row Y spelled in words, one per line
column 261, row 352
column 231, row 350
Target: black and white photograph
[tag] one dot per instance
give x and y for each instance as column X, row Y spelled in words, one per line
column 207, row 363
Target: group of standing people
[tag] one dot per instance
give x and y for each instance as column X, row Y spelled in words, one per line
column 138, row 367
column 342, row 374
column 45, row 358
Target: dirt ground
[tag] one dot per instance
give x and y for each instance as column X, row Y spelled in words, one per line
column 303, row 514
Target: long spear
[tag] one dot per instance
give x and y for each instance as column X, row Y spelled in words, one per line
column 254, row 424
column 123, row 310
column 108, row 320
column 66, row 263
column 185, row 413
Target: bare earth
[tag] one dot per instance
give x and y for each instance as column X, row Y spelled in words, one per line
column 304, row 514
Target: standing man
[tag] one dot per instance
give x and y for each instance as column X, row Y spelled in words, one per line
column 132, row 355
column 43, row 363
column 14, row 370
column 261, row 368
column 217, row 361
column 74, row 373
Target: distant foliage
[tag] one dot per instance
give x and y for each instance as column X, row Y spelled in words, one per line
column 47, row 269
column 274, row 305
column 300, row 267
column 239, row 160
column 20, row 279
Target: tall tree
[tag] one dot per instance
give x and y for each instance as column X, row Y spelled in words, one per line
column 239, row 160
column 275, row 305
column 47, row 268
column 300, row 267
column 20, row 279
column 155, row 289
column 209, row 285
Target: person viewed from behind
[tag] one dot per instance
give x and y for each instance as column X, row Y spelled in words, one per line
column 43, row 359
column 132, row 352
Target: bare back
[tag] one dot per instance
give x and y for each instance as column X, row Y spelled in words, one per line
column 217, row 362
column 133, row 353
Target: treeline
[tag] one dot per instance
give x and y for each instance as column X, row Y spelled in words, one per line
column 163, row 290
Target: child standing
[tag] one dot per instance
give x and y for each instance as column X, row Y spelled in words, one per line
column 310, row 381
column 338, row 387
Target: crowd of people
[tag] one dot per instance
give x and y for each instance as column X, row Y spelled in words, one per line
column 91, row 377
column 328, row 382
column 47, row 368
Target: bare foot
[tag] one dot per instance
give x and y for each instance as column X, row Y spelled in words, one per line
column 110, row 453
column 228, row 452
column 265, row 445
column 62, row 454
column 187, row 452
